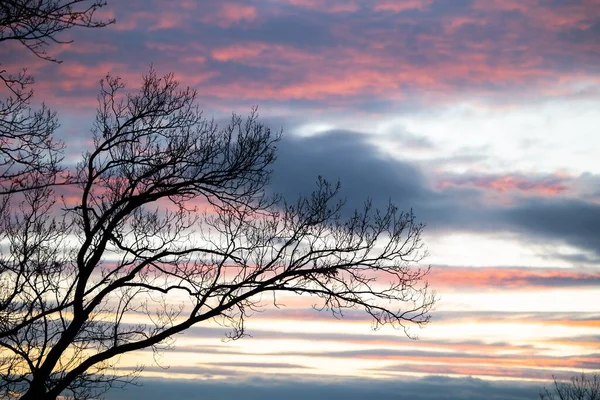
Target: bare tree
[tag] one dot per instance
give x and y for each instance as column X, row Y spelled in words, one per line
column 173, row 222
column 30, row 166
column 580, row 387
column 37, row 23
column 29, row 155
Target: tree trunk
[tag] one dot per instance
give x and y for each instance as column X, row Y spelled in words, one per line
column 37, row 393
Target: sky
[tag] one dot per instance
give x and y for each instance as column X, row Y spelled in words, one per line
column 481, row 116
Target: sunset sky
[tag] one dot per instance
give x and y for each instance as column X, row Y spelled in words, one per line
column 482, row 116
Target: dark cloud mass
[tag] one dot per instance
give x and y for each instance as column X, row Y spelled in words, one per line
column 365, row 173
column 431, row 388
column 573, row 221
column 346, row 156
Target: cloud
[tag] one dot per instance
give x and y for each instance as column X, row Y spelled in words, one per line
column 302, row 353
column 226, row 14
column 398, row 7
column 542, row 207
column 542, row 186
column 509, row 372
column 412, row 359
column 254, row 388
column 347, row 156
column 336, row 6
column 538, row 208
column 225, row 369
column 574, row 221
column 511, row 278
column 350, row 52
column 437, row 355
column 351, row 317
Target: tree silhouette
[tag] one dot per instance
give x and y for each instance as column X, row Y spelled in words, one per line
column 172, row 221
column 580, row 387
column 36, row 24
column 29, row 155
column 168, row 217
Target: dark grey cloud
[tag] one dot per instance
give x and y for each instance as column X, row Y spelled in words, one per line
column 582, row 34
column 364, row 172
column 576, row 259
column 348, row 157
column 574, row 221
column 254, row 388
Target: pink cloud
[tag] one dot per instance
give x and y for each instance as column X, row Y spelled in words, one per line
column 543, row 186
column 370, row 60
column 504, row 5
column 509, row 278
column 401, row 6
column 76, row 85
column 336, row 6
column 227, row 14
